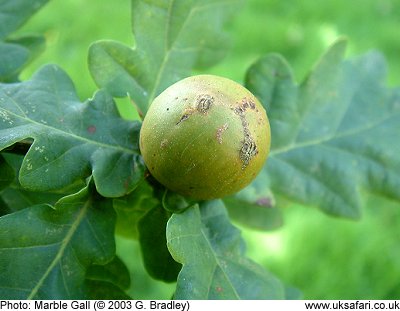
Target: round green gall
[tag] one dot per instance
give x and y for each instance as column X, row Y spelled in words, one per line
column 205, row 137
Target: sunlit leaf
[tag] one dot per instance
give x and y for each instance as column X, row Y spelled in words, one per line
column 333, row 134
column 72, row 140
column 13, row 58
column 35, row 44
column 212, row 253
column 15, row 53
column 255, row 206
column 14, row 13
column 171, row 38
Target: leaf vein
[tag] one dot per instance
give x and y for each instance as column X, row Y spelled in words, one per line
column 318, row 181
column 217, row 261
column 328, row 138
column 48, row 128
column 64, row 244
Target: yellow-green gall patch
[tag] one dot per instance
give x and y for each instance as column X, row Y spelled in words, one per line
column 205, row 137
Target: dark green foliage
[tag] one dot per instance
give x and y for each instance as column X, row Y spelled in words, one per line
column 71, row 173
column 184, row 35
column 333, row 132
column 16, row 52
column 153, row 243
column 212, row 253
column 45, row 251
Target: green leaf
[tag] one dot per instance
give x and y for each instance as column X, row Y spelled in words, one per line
column 113, row 272
column 332, row 135
column 184, row 34
column 175, row 203
column 14, row 13
column 16, row 53
column 6, row 173
column 254, row 215
column 14, row 197
column 132, row 207
column 35, row 44
column 60, row 244
column 254, row 206
column 212, row 253
column 71, row 140
column 100, row 290
column 13, row 57
column 108, row 281
column 292, row 293
column 152, row 237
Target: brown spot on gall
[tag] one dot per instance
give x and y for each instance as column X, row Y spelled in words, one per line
column 183, row 118
column 127, row 183
column 265, row 201
column 186, row 114
column 164, row 143
column 91, row 129
column 248, row 150
column 204, row 103
column 220, row 131
column 245, row 104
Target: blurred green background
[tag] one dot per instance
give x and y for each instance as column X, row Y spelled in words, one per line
column 325, row 257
